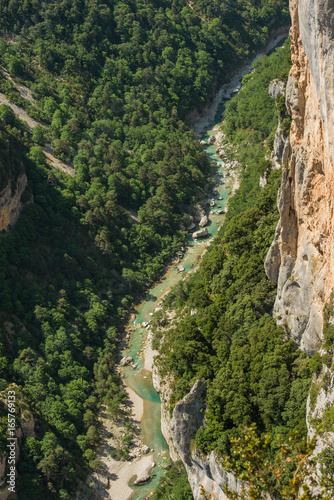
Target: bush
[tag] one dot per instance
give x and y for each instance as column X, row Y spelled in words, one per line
column 7, row 114
column 315, row 363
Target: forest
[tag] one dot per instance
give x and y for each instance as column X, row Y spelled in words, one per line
column 257, row 380
column 112, row 83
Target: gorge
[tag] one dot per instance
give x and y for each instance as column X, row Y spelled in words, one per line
column 299, row 259
column 99, row 195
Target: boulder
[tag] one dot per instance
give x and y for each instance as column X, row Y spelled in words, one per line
column 145, row 476
column 203, row 143
column 212, row 203
column 212, row 139
column 204, row 221
column 126, row 360
column 142, row 479
column 180, row 269
column 190, row 227
column 220, row 212
column 202, row 233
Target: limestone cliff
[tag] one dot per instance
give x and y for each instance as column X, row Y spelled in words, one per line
column 301, row 257
column 205, row 474
column 10, row 202
column 281, row 141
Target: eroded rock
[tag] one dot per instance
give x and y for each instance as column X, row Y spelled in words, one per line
column 202, row 233
column 204, row 221
column 127, row 360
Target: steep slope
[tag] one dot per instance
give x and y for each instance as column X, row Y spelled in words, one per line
column 222, row 333
column 301, row 257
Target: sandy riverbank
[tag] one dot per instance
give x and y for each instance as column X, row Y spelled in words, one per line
column 136, row 404
column 120, row 489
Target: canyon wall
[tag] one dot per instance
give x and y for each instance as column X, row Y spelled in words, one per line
column 205, row 474
column 10, row 202
column 300, row 259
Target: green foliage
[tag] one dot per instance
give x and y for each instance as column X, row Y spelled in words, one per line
column 10, row 149
column 284, row 467
column 255, row 377
column 316, row 363
column 174, row 485
column 250, row 123
column 38, row 135
column 328, row 329
column 7, row 114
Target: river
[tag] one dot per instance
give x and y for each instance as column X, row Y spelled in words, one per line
column 140, row 379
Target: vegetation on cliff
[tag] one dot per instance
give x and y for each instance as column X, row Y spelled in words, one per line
column 111, row 83
column 257, row 378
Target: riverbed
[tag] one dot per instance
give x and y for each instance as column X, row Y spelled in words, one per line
column 142, row 395
column 140, row 379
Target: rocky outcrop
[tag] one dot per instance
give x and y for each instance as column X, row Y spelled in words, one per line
column 187, row 419
column 301, row 258
column 163, row 388
column 281, row 141
column 127, row 360
column 10, row 202
column 204, row 221
column 205, row 474
column 276, row 88
column 201, row 233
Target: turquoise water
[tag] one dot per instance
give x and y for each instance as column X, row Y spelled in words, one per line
column 140, row 380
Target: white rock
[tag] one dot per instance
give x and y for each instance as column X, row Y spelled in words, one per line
column 126, row 360
column 202, row 233
column 204, row 221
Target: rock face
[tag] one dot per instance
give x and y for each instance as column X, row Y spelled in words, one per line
column 164, row 390
column 301, row 258
column 281, row 141
column 276, row 88
column 205, row 474
column 10, row 202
